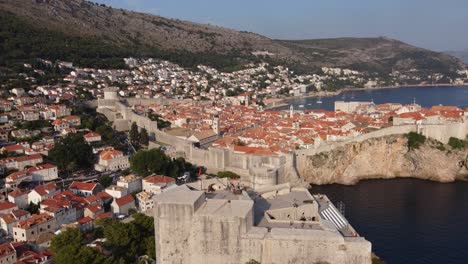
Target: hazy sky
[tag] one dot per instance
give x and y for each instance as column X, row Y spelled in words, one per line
column 433, row 24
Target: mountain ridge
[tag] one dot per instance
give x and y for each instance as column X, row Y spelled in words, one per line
column 141, row 32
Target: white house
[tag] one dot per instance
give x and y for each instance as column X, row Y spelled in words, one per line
column 45, row 172
column 42, row 192
column 112, row 160
column 156, row 184
column 92, row 137
column 123, row 204
column 33, row 227
column 145, row 201
column 116, row 191
column 85, row 188
column 19, row 197
column 131, row 182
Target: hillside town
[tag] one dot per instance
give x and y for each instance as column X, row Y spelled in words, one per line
column 43, row 193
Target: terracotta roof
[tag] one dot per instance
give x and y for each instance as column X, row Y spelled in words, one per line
column 103, row 195
column 16, row 175
column 83, row 186
column 103, row 215
column 125, row 200
column 8, row 218
column 30, row 157
column 6, row 249
column 159, row 179
column 34, row 220
column 94, row 208
column 17, row 192
column 13, row 147
column 108, row 154
column 91, row 135
column 41, row 167
column 45, row 189
column 6, row 206
column 85, row 220
column 92, row 198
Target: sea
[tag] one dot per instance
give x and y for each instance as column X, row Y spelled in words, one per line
column 425, row 96
column 408, row 221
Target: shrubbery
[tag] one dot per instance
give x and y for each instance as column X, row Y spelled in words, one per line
column 415, row 140
column 228, row 174
column 456, row 143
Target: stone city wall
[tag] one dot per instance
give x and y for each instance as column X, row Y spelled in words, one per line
column 232, row 239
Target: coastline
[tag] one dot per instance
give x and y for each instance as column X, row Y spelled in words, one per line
column 284, row 101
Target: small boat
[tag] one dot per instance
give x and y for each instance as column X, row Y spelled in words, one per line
column 309, row 104
column 301, row 106
column 319, row 101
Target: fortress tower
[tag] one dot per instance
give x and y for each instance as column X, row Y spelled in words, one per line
column 216, row 124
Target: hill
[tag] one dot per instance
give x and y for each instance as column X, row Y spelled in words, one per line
column 91, row 34
column 372, row 54
column 462, row 55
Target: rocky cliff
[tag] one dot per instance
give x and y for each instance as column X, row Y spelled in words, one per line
column 386, row 157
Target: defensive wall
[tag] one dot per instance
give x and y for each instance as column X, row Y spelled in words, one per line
column 191, row 229
column 258, row 171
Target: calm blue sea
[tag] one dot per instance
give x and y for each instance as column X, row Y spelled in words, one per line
column 425, row 96
column 408, row 221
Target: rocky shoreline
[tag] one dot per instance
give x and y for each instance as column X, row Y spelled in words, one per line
column 386, row 158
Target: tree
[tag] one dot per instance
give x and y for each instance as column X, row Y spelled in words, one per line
column 144, row 139
column 70, row 247
column 133, row 134
column 146, row 162
column 415, row 140
column 72, row 153
column 33, row 208
column 105, row 181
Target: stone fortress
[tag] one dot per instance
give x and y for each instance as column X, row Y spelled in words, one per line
column 231, row 225
column 258, row 171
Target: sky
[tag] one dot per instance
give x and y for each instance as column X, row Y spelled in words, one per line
column 439, row 25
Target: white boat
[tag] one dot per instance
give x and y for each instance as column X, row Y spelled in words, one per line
column 301, row 106
column 319, row 101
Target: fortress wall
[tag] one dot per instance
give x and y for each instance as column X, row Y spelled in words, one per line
column 357, row 248
column 108, row 113
column 144, row 101
column 233, row 240
column 443, row 132
column 173, row 223
column 388, row 131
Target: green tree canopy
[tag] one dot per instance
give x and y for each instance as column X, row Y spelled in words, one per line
column 146, row 162
column 144, row 138
column 133, row 134
column 72, row 152
column 105, row 181
column 70, row 247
